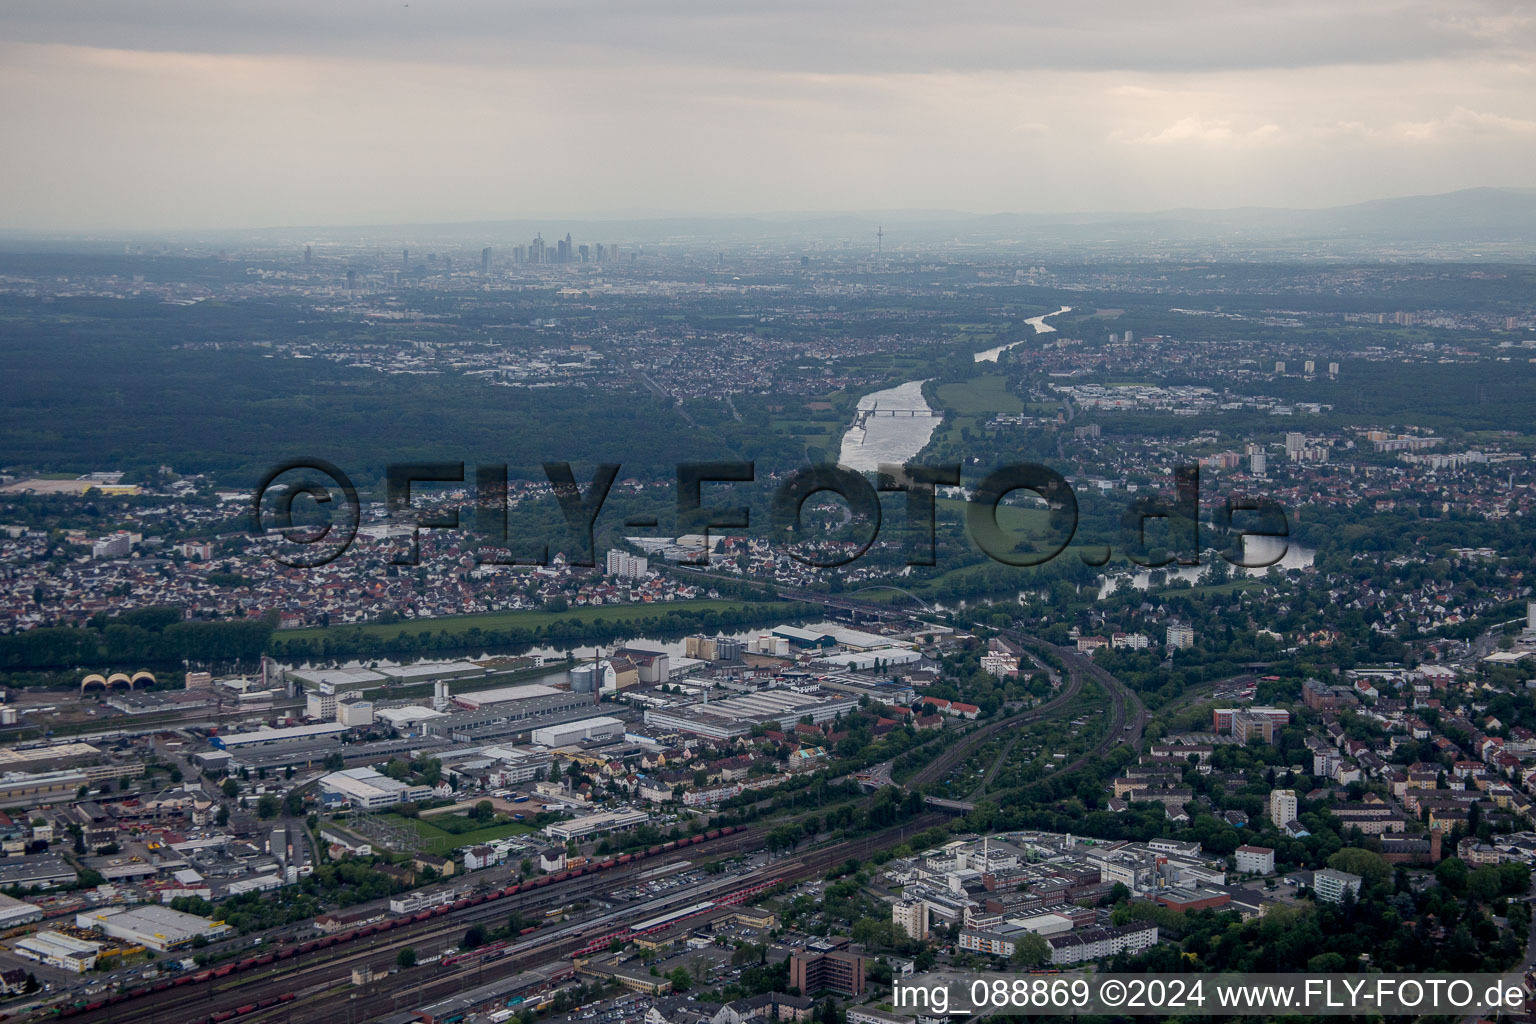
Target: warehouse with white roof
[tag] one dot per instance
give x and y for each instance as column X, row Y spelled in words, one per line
column 159, row 928
column 59, row 950
column 364, row 787
column 404, row 718
column 565, row 733
column 272, row 737
column 14, row 912
column 502, row 695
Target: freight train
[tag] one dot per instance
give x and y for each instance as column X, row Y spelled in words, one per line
column 288, row 952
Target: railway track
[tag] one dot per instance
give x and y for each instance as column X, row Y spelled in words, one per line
column 323, row 953
column 322, row 993
column 957, row 752
column 810, row 864
column 1128, row 716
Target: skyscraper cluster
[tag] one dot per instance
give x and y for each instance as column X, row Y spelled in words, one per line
column 563, row 251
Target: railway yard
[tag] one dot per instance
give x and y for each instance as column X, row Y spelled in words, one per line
column 311, row 981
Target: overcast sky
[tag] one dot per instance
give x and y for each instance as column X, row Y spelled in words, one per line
column 229, row 113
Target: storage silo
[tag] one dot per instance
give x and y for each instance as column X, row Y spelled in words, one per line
column 584, row 678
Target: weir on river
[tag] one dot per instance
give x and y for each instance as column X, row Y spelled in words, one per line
column 863, row 415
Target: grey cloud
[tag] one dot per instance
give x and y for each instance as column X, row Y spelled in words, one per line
column 859, row 36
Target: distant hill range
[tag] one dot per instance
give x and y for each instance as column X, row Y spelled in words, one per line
column 1500, row 220
column 1471, row 223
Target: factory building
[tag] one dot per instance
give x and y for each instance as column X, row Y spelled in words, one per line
column 736, row 716
column 59, row 950
column 494, row 767
column 30, row 789
column 433, row 671
column 159, row 928
column 593, row 824
column 507, row 719
column 322, row 706
column 14, row 912
column 405, row 718
column 366, row 788
column 884, row 657
column 653, row 667
column 806, row 639
column 600, row 728
column 712, row 648
column 333, row 681
column 241, row 741
column 484, row 699
column 355, row 713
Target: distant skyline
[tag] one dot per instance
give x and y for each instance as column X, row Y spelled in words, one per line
column 176, row 115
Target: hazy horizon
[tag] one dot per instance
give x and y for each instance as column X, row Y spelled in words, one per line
column 171, row 115
column 916, row 215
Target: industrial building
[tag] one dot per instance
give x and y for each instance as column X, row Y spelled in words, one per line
column 653, row 667
column 712, row 648
column 843, row 636
column 509, row 718
column 600, row 728
column 406, row 717
column 884, row 657
column 336, row 680
column 159, row 928
column 275, row 758
column 322, row 706
column 38, row 871
column 44, row 755
column 585, row 678
column 59, row 950
column 18, row 789
column 483, row 699
column 806, row 639
column 355, row 713
column 433, row 671
column 736, row 716
column 14, row 912
column 366, row 788
column 592, row 824
column 241, row 741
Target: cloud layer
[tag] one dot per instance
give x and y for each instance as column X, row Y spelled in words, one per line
column 167, row 114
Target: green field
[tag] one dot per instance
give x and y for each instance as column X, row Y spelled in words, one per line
column 1014, row 518
column 530, row 620
column 1241, row 583
column 440, row 841
column 980, row 396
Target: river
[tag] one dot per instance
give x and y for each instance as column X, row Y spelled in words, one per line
column 894, row 439
column 1255, row 549
column 1037, row 322
column 898, row 439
